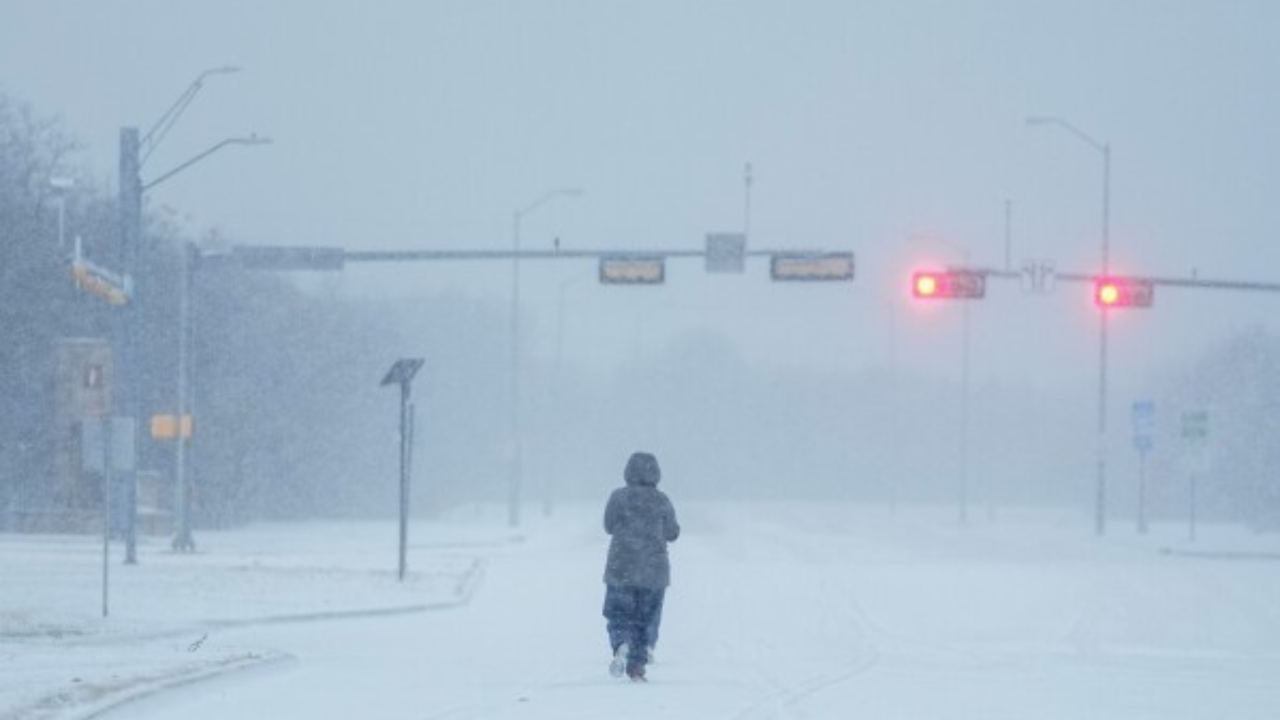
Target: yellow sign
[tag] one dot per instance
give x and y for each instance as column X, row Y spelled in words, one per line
column 805, row 266
column 165, row 427
column 92, row 282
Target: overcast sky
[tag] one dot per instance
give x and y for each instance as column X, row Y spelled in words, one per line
column 893, row 129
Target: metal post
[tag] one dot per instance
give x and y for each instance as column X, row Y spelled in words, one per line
column 1100, row 509
column 517, row 439
column 182, row 540
column 1142, row 492
column 107, row 464
column 964, row 416
column 1100, row 526
column 403, row 509
column 895, row 407
column 1191, row 514
column 513, row 506
column 558, row 379
column 126, row 390
column 1008, row 236
column 401, row 373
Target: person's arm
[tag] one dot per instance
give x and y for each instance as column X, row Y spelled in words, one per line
column 670, row 524
column 611, row 511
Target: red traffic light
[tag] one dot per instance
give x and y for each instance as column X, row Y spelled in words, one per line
column 948, row 284
column 924, row 285
column 1115, row 292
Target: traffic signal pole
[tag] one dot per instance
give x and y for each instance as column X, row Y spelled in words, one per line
column 1130, row 291
column 1100, row 511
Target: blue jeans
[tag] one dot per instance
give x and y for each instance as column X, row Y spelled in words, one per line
column 633, row 614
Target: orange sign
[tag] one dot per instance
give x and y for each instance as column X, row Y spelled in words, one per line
column 165, row 427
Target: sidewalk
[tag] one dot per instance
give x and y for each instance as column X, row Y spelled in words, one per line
column 60, row 658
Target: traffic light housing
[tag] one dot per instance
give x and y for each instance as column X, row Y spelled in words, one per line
column 932, row 284
column 1118, row 292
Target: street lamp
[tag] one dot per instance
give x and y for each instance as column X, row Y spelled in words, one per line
column 516, row 439
column 1100, row 519
column 182, row 539
column 134, row 152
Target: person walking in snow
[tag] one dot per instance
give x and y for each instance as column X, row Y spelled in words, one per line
column 642, row 521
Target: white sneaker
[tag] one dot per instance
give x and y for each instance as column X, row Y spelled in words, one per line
column 619, row 663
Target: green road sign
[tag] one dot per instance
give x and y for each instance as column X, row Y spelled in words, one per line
column 1195, row 425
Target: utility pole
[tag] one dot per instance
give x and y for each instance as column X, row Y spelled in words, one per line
column 126, row 385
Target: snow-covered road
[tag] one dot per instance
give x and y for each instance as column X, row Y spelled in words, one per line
column 799, row 611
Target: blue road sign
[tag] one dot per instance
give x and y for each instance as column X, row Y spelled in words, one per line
column 1144, row 422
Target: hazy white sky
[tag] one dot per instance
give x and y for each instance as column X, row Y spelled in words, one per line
column 893, row 129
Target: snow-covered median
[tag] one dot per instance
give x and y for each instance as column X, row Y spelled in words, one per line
column 60, row 658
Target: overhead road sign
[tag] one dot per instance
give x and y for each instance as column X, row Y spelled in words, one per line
column 1195, row 425
column 1144, row 422
column 277, row 257
column 812, row 266
column 726, row 252
column 632, row 270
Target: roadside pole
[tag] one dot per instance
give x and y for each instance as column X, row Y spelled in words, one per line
column 1142, row 492
column 1195, row 432
column 1144, row 416
column 401, row 373
column 107, row 472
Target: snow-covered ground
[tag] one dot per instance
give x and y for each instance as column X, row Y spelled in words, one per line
column 785, row 610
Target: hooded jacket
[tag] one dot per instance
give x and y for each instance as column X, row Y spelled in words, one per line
column 642, row 521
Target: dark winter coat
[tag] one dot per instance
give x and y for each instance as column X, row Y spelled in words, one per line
column 642, row 521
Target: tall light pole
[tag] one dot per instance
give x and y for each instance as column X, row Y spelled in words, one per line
column 134, row 153
column 1100, row 508
column 517, row 440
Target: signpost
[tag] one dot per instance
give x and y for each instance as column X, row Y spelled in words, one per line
column 401, row 373
column 1144, row 420
column 107, row 447
column 1195, row 432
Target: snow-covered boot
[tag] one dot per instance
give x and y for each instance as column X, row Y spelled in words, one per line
column 635, row 671
column 619, row 662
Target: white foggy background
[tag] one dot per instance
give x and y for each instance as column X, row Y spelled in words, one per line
column 892, row 129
